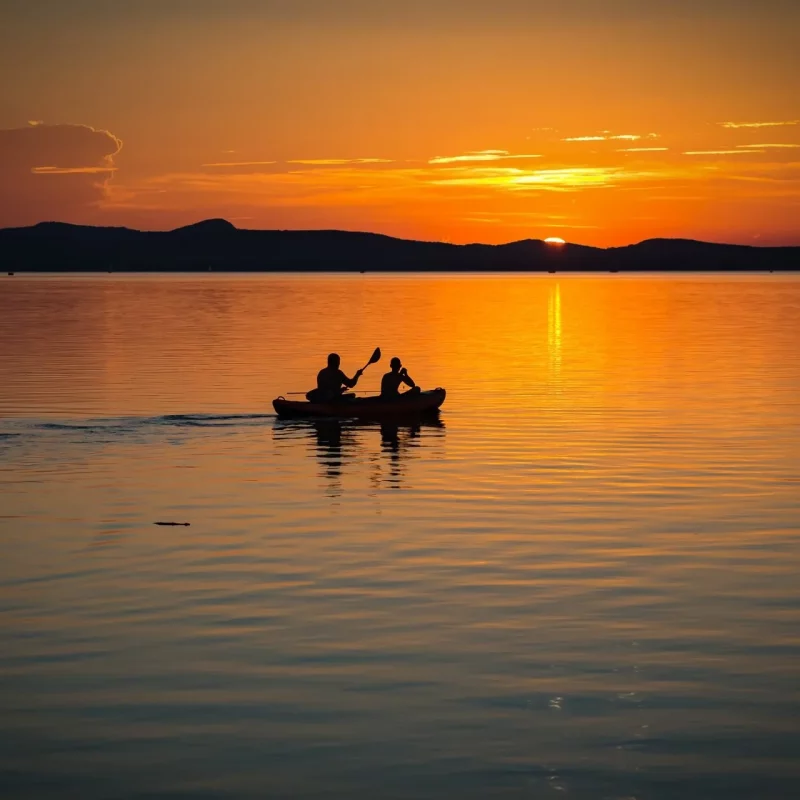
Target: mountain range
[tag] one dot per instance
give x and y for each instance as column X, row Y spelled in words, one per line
column 217, row 245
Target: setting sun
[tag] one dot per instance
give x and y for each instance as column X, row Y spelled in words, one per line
column 554, row 240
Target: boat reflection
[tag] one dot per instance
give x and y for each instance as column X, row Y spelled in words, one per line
column 337, row 444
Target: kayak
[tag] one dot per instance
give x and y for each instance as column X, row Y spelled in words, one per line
column 407, row 404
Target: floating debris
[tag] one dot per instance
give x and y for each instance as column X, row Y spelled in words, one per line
column 182, row 524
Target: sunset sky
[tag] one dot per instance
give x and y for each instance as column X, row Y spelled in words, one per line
column 601, row 122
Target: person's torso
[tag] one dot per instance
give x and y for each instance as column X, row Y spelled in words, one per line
column 330, row 380
column 390, row 383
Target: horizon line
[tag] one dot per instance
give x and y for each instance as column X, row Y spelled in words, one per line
column 227, row 222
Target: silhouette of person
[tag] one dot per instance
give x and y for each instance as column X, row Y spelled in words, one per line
column 330, row 381
column 390, row 383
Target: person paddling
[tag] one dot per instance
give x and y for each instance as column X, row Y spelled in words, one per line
column 390, row 383
column 331, row 379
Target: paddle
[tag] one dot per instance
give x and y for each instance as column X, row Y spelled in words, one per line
column 373, row 359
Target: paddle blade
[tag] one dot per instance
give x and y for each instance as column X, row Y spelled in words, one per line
column 376, row 356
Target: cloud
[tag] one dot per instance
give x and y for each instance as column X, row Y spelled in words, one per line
column 570, row 177
column 481, row 155
column 629, row 137
column 239, row 163
column 482, row 184
column 343, row 190
column 338, row 162
column 531, row 220
column 72, row 170
column 227, row 193
column 759, row 124
column 563, row 179
column 54, row 172
column 310, row 162
column 767, row 146
column 720, row 152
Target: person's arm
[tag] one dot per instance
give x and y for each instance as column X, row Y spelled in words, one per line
column 407, row 379
column 351, row 382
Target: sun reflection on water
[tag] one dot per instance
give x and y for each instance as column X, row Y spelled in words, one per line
column 554, row 337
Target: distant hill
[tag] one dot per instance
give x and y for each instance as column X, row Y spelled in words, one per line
column 217, row 245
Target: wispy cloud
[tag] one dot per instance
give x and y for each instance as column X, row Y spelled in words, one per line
column 528, row 219
column 574, row 177
column 482, row 155
column 72, row 170
column 643, row 150
column 564, row 179
column 338, row 162
column 721, row 152
column 767, row 146
column 239, row 163
column 348, row 186
column 535, row 222
column 759, row 124
column 309, row 162
column 629, row 137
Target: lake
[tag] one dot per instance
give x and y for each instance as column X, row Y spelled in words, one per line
column 580, row 581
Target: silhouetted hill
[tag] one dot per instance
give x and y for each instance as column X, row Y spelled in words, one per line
column 217, row 245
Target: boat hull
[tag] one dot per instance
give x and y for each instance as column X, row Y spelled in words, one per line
column 407, row 405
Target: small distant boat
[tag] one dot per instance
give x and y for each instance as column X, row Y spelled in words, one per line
column 408, row 404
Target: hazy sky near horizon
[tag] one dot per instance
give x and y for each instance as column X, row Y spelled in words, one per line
column 599, row 122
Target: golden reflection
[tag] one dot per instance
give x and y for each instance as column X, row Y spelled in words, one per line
column 554, row 337
column 114, row 345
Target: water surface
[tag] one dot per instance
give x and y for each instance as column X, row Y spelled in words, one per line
column 580, row 581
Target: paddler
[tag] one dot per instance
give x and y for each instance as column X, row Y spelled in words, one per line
column 331, row 382
column 390, row 383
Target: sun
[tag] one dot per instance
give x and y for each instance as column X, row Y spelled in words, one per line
column 554, row 240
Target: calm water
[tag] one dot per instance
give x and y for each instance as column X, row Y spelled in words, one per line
column 582, row 582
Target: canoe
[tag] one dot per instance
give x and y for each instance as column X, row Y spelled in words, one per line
column 407, row 404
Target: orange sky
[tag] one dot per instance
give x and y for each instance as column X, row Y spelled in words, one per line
column 600, row 122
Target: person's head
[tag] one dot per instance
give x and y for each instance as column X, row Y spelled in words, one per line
column 395, row 364
column 334, row 360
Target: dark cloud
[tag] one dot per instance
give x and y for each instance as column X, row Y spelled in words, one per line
column 53, row 172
